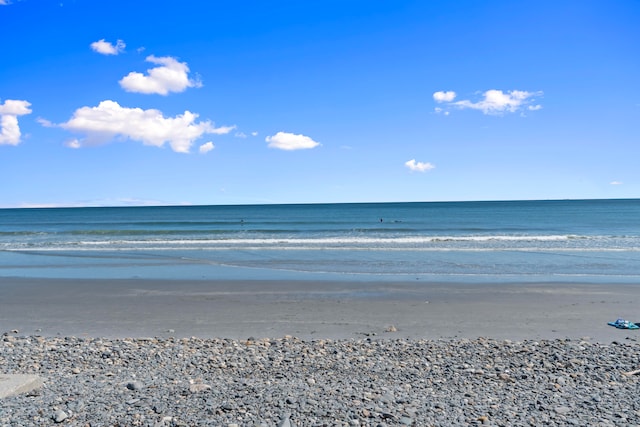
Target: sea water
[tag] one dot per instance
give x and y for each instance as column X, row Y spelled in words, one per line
column 510, row 241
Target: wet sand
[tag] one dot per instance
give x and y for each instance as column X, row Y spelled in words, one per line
column 315, row 309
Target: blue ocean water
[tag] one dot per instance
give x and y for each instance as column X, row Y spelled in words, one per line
column 511, row 241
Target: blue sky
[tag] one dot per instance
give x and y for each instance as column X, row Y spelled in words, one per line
column 235, row 102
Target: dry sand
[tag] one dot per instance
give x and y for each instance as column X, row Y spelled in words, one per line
column 315, row 309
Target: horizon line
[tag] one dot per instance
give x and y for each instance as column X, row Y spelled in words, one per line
column 173, row 205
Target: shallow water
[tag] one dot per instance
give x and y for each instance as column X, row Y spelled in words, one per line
column 516, row 241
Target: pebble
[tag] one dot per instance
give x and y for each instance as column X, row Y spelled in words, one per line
column 197, row 388
column 289, row 382
column 59, row 416
column 135, row 385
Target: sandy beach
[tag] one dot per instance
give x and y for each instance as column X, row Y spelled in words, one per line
column 314, row 310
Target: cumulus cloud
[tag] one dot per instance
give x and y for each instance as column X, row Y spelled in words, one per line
column 9, row 112
column 290, row 141
column 494, row 101
column 170, row 76
column 106, row 48
column 206, row 147
column 14, row 107
column 444, row 96
column 109, row 120
column 415, row 166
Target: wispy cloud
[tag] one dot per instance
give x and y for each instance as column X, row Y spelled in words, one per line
column 615, row 183
column 9, row 128
column 170, row 76
column 45, row 123
column 4, row 2
column 206, row 147
column 290, row 141
column 415, row 166
column 106, row 48
column 110, row 121
column 493, row 102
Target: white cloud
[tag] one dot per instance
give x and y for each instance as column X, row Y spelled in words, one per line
column 170, row 76
column 254, row 133
column 290, row 141
column 240, row 135
column 494, row 101
column 441, row 96
column 14, row 107
column 109, row 120
column 9, row 112
column 615, row 183
column 498, row 102
column 106, row 48
column 206, row 147
column 418, row 166
column 4, row 2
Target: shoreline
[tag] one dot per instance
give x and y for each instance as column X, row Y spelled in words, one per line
column 241, row 309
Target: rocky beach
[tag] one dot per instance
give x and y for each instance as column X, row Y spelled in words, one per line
column 288, row 381
column 163, row 353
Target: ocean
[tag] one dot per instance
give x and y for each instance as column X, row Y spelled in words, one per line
column 509, row 241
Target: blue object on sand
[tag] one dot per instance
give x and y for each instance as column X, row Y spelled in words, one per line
column 623, row 324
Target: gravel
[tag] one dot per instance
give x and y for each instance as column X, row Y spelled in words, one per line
column 290, row 382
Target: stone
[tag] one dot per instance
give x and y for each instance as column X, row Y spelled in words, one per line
column 135, row 385
column 13, row 384
column 199, row 387
column 59, row 416
column 286, row 422
column 406, row 421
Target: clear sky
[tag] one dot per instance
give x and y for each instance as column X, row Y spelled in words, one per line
column 234, row 102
